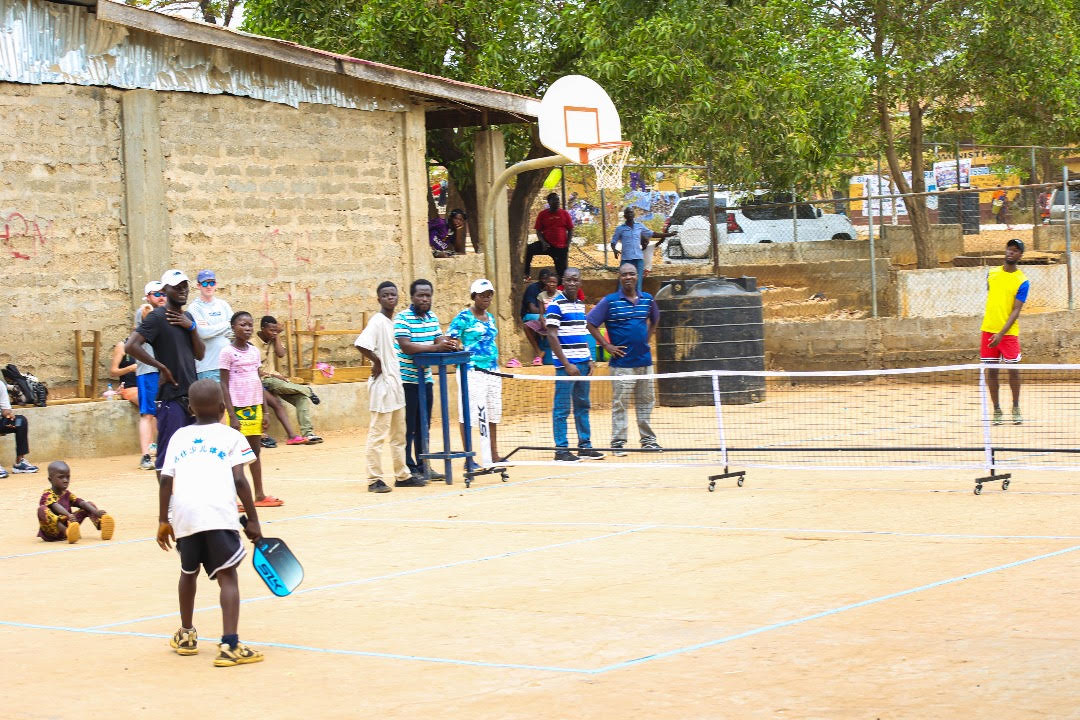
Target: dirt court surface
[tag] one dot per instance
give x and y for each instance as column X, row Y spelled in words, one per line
column 566, row 592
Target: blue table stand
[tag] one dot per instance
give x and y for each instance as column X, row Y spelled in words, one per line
column 439, row 362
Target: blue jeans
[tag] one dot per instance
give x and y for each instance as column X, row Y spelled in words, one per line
column 579, row 392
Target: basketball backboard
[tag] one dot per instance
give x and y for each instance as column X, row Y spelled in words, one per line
column 576, row 113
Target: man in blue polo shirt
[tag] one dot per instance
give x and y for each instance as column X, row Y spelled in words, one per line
column 416, row 330
column 631, row 317
column 565, row 322
column 633, row 239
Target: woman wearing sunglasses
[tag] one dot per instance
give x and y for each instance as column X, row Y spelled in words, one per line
column 212, row 316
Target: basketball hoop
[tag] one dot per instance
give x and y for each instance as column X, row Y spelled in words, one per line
column 608, row 160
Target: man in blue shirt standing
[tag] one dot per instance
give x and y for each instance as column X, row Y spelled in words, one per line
column 631, row 317
column 634, row 238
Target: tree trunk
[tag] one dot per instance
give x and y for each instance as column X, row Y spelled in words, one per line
column 457, row 160
column 925, row 248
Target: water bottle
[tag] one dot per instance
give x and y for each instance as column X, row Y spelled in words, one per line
column 109, row 393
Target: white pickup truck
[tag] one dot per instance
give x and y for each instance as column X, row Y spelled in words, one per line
column 739, row 221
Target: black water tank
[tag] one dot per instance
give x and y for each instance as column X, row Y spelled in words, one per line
column 710, row 324
column 960, row 208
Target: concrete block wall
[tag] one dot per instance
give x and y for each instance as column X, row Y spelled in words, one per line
column 962, row 291
column 910, row 342
column 61, row 227
column 302, row 212
column 898, row 243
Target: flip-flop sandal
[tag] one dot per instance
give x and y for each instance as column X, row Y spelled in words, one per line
column 107, row 525
column 269, row 501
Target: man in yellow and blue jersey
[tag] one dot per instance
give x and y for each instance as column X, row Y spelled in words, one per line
column 1007, row 291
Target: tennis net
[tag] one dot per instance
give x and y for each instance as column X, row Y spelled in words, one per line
column 930, row 418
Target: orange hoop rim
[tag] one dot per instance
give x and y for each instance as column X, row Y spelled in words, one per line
column 606, row 145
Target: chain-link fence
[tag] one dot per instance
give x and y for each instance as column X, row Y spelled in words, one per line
column 812, row 256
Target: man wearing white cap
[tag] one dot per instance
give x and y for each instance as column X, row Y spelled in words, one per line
column 475, row 328
column 177, row 346
column 213, row 316
column 146, row 379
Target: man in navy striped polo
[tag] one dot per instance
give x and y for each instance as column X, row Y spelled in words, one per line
column 631, row 317
column 565, row 321
column 416, row 330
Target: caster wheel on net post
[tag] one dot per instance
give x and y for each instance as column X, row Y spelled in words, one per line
column 740, row 482
column 1004, row 484
column 978, row 489
column 712, row 486
column 468, row 483
column 504, row 477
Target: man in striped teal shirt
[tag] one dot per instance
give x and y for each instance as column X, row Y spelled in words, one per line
column 565, row 321
column 416, row 330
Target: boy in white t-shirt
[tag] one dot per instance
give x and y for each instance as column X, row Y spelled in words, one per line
column 202, row 475
column 386, row 394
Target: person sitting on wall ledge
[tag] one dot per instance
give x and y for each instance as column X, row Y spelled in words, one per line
column 17, row 424
column 301, row 397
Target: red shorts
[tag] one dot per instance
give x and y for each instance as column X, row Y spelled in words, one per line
column 1008, row 350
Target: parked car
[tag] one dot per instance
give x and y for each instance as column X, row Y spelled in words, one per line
column 1057, row 207
column 749, row 218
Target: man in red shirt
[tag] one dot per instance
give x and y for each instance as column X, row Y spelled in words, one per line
column 554, row 228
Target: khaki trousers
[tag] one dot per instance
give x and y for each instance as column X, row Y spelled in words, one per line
column 387, row 428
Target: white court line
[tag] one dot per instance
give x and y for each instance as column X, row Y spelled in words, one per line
column 717, row 528
column 390, row 576
column 262, row 521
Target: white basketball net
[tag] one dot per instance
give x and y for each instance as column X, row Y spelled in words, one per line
column 608, row 162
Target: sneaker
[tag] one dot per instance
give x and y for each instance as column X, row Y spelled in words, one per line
column 379, row 487
column 566, row 456
column 999, row 417
column 314, row 401
column 590, row 454
column 152, row 450
column 296, row 440
column 312, row 439
column 268, row 442
column 73, row 533
column 652, row 445
column 1017, row 418
column 414, row 481
column 239, row 655
column 432, row 475
column 106, row 524
column 146, row 463
column 23, row 467
column 3, row 473
column 617, row 451
column 185, row 642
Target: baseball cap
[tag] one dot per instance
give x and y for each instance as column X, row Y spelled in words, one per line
column 480, row 286
column 1017, row 243
column 153, row 286
column 206, row 275
column 173, row 277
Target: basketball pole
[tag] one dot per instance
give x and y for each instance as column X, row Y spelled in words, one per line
column 487, row 225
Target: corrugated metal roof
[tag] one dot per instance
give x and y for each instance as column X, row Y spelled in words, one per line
column 126, row 47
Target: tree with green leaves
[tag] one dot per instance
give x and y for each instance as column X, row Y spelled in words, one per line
column 514, row 45
column 761, row 88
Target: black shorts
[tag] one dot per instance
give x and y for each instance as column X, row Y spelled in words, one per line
column 214, row 549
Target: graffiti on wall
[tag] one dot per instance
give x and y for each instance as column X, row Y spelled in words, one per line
column 22, row 238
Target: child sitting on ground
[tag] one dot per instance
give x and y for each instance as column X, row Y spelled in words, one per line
column 201, row 476
column 55, row 519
